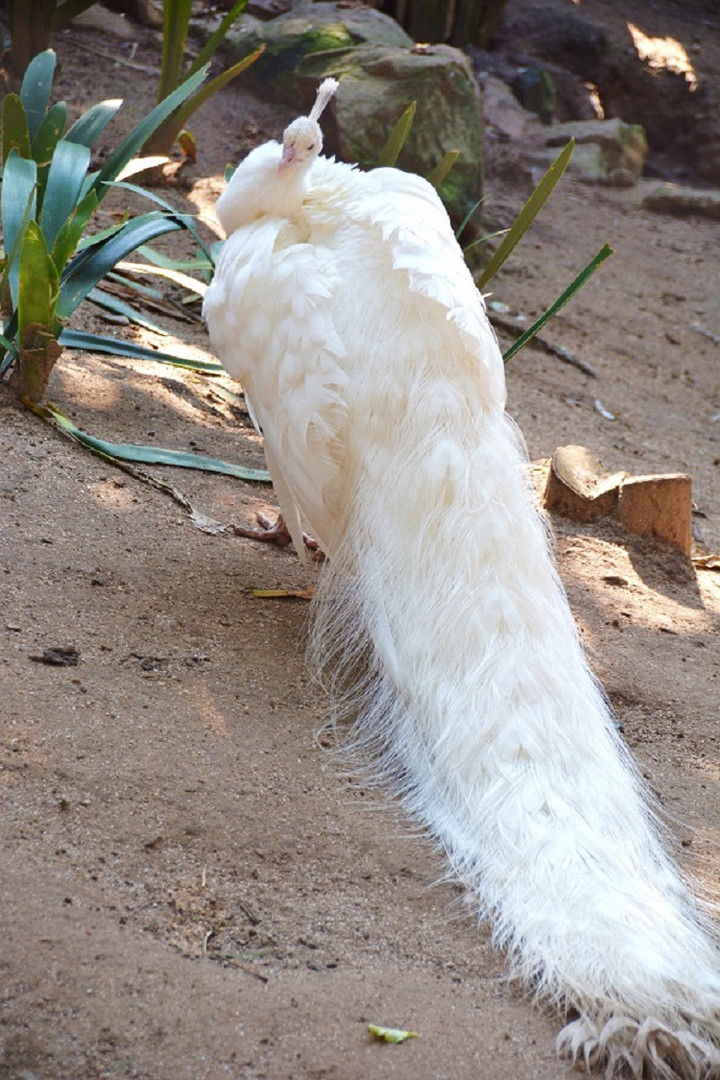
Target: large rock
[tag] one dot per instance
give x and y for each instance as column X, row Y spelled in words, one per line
column 504, row 115
column 605, row 149
column 376, row 86
column 308, row 28
column 381, row 72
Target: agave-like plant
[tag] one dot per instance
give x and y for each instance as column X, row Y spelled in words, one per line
column 48, row 198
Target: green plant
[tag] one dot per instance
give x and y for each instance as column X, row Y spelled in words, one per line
column 48, row 198
column 32, row 23
column 176, row 20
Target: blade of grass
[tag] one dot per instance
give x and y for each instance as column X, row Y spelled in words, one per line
column 464, row 223
column 213, row 42
column 572, row 288
column 396, row 139
column 529, row 212
column 484, row 239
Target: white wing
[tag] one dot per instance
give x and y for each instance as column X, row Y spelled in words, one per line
column 269, row 315
column 410, row 217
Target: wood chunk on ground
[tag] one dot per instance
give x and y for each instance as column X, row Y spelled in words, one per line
column 658, row 506
column 580, row 487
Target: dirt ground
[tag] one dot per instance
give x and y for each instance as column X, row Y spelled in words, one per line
column 190, row 886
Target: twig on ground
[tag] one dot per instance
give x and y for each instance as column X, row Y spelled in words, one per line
column 547, row 346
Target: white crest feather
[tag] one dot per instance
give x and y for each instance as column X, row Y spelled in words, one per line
column 325, row 91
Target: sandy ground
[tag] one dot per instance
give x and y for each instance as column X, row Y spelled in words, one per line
column 191, row 887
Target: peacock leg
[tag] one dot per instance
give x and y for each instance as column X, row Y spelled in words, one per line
column 277, row 533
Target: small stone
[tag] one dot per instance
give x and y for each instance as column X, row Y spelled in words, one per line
column 58, row 656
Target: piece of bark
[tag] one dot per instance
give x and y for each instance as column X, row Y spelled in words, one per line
column 659, row 506
column 579, row 486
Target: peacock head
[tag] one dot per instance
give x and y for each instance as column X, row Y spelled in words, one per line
column 302, row 140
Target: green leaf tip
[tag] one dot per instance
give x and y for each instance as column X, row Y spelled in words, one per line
column 574, row 286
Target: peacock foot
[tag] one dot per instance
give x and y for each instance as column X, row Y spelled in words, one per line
column 277, row 533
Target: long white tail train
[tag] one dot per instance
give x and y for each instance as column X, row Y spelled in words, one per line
column 343, row 304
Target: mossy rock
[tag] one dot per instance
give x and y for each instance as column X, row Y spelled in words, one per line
column 381, row 72
column 376, row 86
column 621, row 146
column 307, row 29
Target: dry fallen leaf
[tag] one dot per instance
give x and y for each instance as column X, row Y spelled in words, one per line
column 391, row 1035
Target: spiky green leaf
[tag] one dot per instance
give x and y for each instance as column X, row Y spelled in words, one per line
column 529, row 212
column 572, row 288
column 62, row 189
column 151, row 455
column 176, row 19
column 48, row 134
column 396, row 139
column 92, row 263
column 466, row 220
column 166, row 134
column 36, row 87
column 17, row 207
column 37, row 281
column 187, row 220
column 442, row 169
column 78, row 339
column 69, row 235
column 176, row 276
column 15, row 134
column 88, row 127
column 138, row 136
column 217, row 37
column 120, row 307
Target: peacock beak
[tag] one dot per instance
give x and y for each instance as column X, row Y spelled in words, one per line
column 289, row 155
